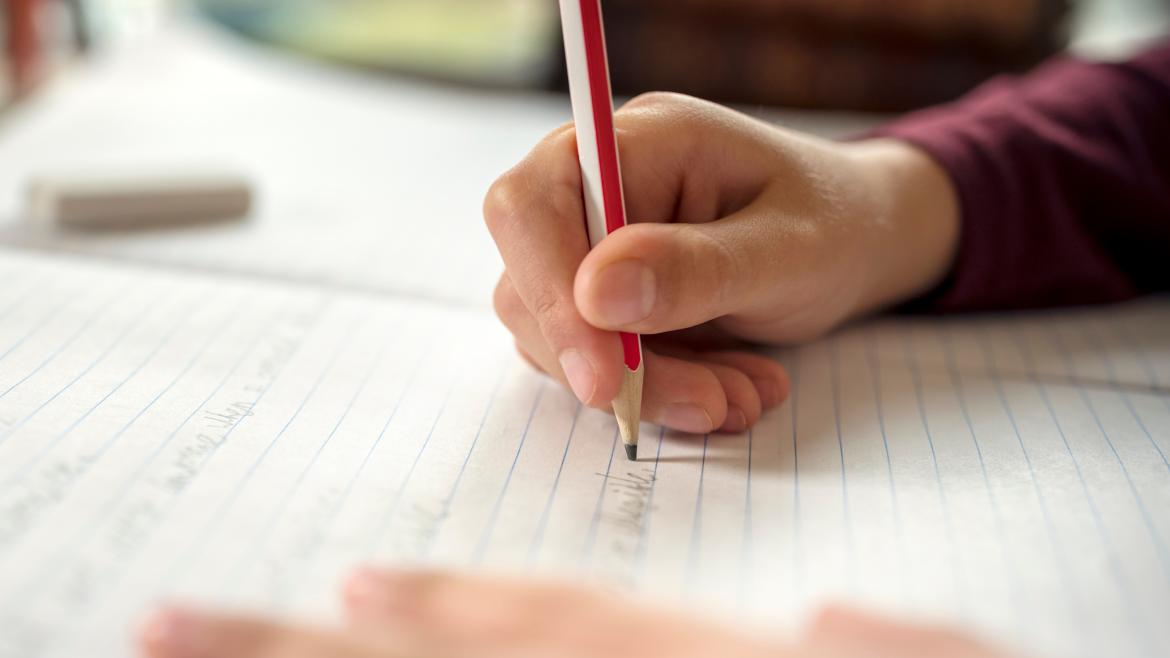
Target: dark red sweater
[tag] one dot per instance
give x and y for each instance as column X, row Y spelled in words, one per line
column 1063, row 179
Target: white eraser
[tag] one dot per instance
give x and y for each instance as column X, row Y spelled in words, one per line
column 132, row 199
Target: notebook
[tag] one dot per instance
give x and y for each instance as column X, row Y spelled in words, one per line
column 237, row 415
column 244, row 443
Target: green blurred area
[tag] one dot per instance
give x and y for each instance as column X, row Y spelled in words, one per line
column 497, row 42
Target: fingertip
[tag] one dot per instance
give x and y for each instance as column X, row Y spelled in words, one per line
column 616, row 286
column 735, row 422
column 784, row 384
column 683, row 395
column 160, row 632
column 767, row 375
column 687, row 417
column 772, row 386
column 743, row 402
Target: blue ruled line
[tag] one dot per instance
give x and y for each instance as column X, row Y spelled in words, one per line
column 835, row 385
column 76, row 543
column 997, row 517
column 485, row 538
column 1113, row 559
column 697, row 522
column 455, row 485
column 797, row 542
column 204, row 535
column 52, row 443
column 342, row 500
column 989, row 362
column 1151, row 372
column 261, row 541
column 1144, row 511
column 19, row 301
column 746, row 547
column 537, row 542
column 590, row 537
column 40, row 325
column 647, row 515
column 101, row 311
column 879, row 406
column 948, row 524
column 109, row 349
column 1111, row 372
column 388, row 517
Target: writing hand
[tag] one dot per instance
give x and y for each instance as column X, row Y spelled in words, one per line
column 741, row 231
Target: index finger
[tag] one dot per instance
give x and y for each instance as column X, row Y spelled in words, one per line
column 536, row 216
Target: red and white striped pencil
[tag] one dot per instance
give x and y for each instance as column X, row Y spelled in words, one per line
column 601, row 175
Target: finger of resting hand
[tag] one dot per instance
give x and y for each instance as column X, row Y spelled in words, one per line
column 184, row 633
column 768, row 376
column 743, row 402
column 442, row 609
column 466, row 615
column 843, row 631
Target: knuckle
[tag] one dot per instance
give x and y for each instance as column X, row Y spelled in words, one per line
column 503, row 203
column 656, row 100
column 505, row 301
column 545, row 304
column 673, row 110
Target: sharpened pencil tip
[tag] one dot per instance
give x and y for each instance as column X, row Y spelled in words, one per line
column 632, row 452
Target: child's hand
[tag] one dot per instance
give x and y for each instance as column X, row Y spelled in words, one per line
column 440, row 615
column 748, row 230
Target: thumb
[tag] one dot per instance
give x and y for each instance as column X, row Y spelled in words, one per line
column 653, row 278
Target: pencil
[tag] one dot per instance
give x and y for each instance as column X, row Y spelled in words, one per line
column 601, row 176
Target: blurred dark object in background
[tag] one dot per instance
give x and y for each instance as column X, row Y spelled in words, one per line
column 883, row 55
column 22, row 35
column 842, row 54
column 33, row 42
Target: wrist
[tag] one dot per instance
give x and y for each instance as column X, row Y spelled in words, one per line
column 915, row 219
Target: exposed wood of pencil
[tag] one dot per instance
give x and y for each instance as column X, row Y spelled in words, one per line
column 627, row 407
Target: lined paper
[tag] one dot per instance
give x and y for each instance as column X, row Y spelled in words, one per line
column 244, row 444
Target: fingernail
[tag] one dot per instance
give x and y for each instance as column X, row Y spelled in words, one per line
column 625, row 292
column 169, row 632
column 687, row 418
column 736, row 421
column 582, row 378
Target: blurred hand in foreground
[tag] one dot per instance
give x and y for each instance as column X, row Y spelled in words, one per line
column 393, row 614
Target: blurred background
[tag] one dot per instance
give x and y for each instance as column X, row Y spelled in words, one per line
column 883, row 55
column 369, row 130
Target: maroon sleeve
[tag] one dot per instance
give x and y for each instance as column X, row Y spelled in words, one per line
column 1063, row 179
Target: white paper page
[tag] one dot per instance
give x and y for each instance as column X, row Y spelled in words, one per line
column 246, row 443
